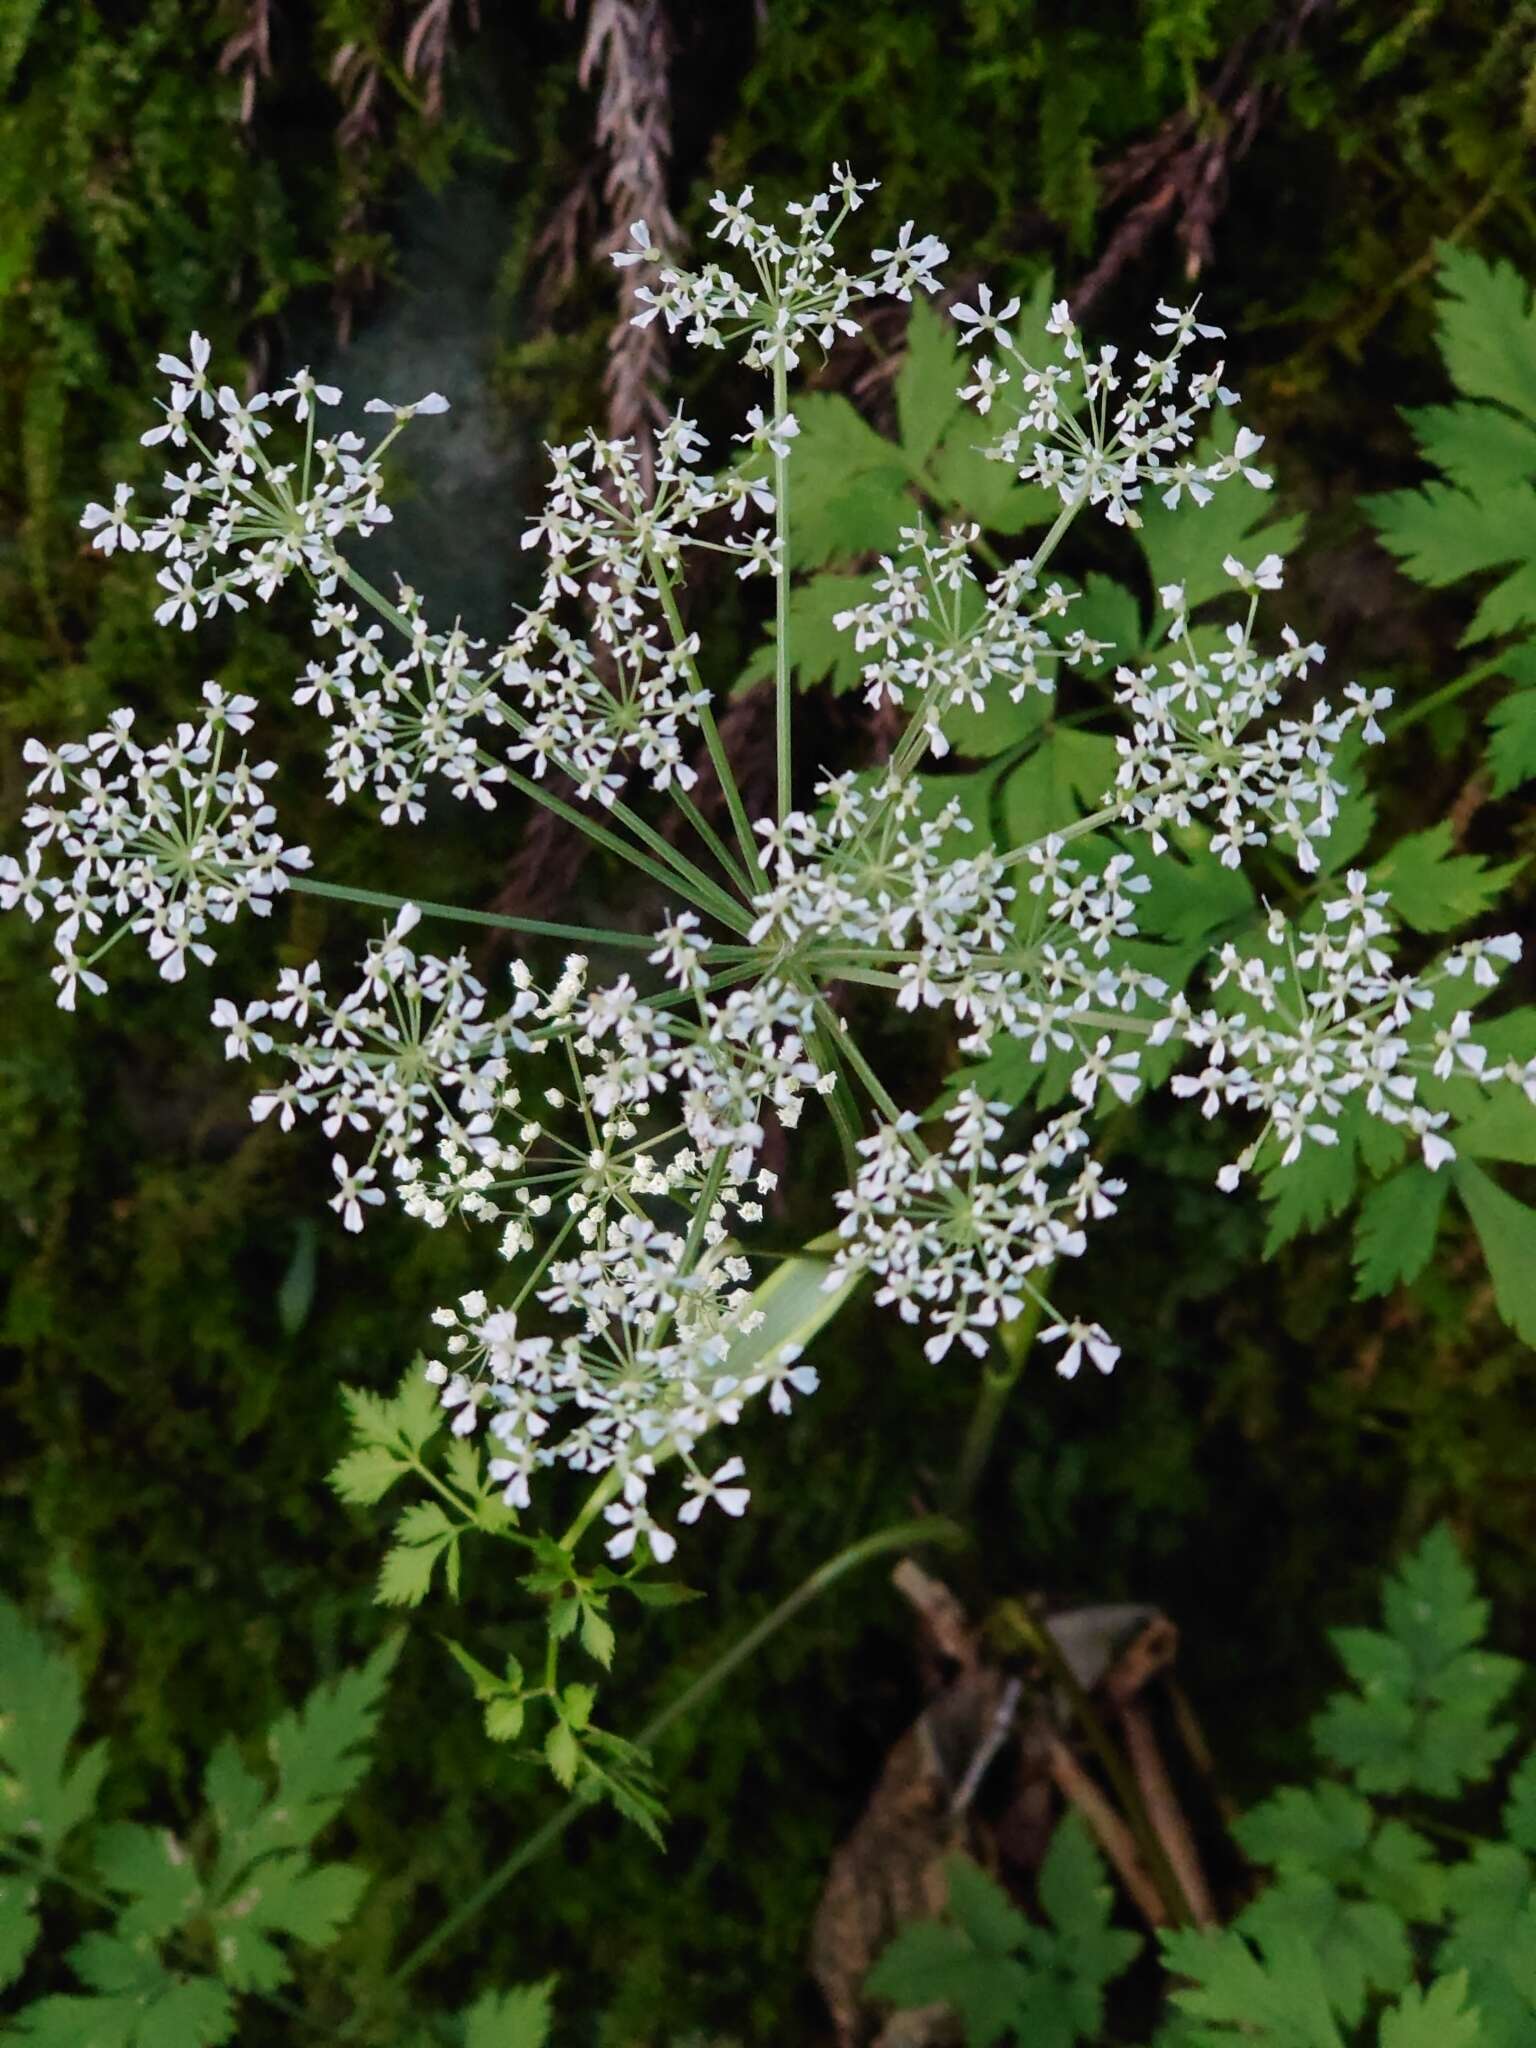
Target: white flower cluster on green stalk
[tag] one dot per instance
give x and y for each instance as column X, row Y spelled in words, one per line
column 610, row 1133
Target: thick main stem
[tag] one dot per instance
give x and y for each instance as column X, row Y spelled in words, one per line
column 1015, row 1341
column 781, row 697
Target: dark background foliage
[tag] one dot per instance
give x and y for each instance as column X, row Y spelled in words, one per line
column 322, row 183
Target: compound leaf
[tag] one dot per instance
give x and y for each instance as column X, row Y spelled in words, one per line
column 1421, row 1718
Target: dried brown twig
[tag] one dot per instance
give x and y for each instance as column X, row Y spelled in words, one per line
column 247, row 54
column 357, row 73
column 425, row 56
column 1181, row 174
column 628, row 50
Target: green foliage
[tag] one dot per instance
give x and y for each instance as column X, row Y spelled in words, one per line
column 134, row 204
column 511, row 2019
column 1002, row 1973
column 205, row 1916
column 1422, row 1716
column 1435, row 889
column 43, row 1794
column 1477, row 517
column 1507, row 1230
column 1334, row 1948
column 1395, row 1234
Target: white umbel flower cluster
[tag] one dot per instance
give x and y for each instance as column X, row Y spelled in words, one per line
column 1202, row 742
column 953, row 1236
column 164, row 842
column 1079, row 428
column 610, row 1128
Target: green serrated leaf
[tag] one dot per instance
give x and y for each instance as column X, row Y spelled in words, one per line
column 1493, row 1939
column 1001, row 1973
column 366, row 1474
column 1396, row 1229
column 42, row 1794
column 1437, row 2016
column 1421, row 1717
column 1303, row 1196
column 405, row 1423
column 660, row 1592
column 19, row 1926
column 562, row 1753
column 139, row 2004
column 1360, row 1945
column 1487, row 329
column 1501, row 1127
column 597, row 1637
column 982, row 1910
column 423, row 1535
column 1506, row 1230
column 1434, row 889
column 1322, row 1828
column 849, row 485
column 319, row 1753
column 1064, row 777
column 234, row 1794
column 1328, row 1831
column 931, row 1965
column 1512, row 745
column 577, row 1702
column 1279, row 1994
column 155, row 1871
column 282, row 1895
column 927, row 383
column 463, row 1461
column 1441, row 534
column 521, row 2018
column 1186, row 547
column 504, row 1718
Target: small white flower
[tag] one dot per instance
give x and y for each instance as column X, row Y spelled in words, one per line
column 1089, row 1338
column 111, row 527
column 353, row 1189
column 732, row 1500
column 434, row 402
column 644, row 251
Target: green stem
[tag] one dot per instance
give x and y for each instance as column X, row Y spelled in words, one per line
column 1015, row 1341
column 672, row 869
column 604, row 1491
column 846, row 1044
column 697, row 888
column 1447, row 694
column 376, row 899
column 830, row 1053
column 933, row 1529
column 712, row 840
column 730, row 789
column 781, row 698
